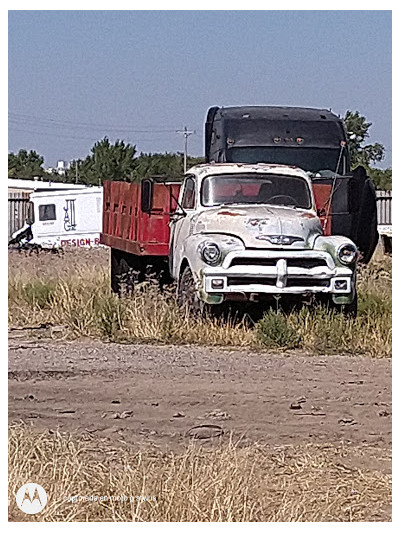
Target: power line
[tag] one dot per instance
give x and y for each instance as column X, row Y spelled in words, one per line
column 76, row 137
column 70, row 130
column 71, row 137
column 20, row 117
column 83, row 129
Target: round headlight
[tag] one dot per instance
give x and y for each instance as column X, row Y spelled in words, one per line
column 347, row 254
column 211, row 253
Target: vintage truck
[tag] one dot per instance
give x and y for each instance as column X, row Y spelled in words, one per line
column 231, row 232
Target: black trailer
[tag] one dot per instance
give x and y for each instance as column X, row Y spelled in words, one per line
column 312, row 139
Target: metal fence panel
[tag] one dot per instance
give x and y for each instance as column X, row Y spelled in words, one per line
column 384, row 207
column 18, row 211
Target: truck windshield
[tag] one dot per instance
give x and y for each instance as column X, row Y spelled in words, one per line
column 309, row 159
column 273, row 189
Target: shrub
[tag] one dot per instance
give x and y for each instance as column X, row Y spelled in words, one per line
column 274, row 330
column 373, row 304
column 110, row 312
column 328, row 330
column 39, row 293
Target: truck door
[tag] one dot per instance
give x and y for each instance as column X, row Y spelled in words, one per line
column 180, row 224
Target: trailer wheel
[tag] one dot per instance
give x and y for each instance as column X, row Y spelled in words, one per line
column 115, row 268
column 123, row 275
column 187, row 297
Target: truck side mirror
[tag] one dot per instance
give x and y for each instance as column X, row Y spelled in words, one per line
column 147, row 195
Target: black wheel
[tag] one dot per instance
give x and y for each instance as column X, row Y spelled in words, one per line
column 123, row 274
column 115, row 269
column 187, row 296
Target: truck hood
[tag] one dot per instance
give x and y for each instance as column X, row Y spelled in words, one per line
column 260, row 226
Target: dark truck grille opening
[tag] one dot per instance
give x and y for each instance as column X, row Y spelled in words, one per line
column 305, row 262
column 301, row 262
column 307, row 282
column 290, row 282
column 251, row 280
column 236, row 261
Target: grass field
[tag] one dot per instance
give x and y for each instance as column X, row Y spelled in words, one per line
column 72, row 291
column 69, row 294
column 254, row 483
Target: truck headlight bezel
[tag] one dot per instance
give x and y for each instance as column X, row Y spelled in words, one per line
column 347, row 253
column 211, row 253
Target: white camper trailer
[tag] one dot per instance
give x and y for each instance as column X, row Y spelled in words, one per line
column 67, row 217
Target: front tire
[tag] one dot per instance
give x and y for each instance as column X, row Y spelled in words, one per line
column 187, row 296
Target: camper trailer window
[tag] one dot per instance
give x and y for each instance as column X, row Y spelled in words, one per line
column 47, row 212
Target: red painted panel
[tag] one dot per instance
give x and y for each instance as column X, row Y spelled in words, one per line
column 322, row 193
column 127, row 228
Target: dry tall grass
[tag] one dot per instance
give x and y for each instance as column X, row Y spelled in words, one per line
column 76, row 294
column 308, row 483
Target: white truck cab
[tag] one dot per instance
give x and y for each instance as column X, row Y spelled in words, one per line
column 244, row 231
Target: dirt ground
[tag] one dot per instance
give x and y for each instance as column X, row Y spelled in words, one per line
column 164, row 396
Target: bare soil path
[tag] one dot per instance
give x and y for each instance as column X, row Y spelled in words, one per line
column 162, row 396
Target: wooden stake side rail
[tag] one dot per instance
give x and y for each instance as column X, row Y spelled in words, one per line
column 127, row 228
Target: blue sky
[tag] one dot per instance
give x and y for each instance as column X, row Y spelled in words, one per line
column 76, row 76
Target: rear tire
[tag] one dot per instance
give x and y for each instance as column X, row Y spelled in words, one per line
column 123, row 275
column 115, row 271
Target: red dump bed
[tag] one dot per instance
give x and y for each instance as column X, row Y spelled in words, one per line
column 127, row 228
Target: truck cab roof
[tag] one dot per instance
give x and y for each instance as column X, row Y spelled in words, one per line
column 225, row 168
column 278, row 113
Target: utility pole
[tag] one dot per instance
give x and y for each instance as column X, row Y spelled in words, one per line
column 186, row 133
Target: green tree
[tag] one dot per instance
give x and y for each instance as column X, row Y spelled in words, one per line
column 105, row 162
column 357, row 130
column 366, row 154
column 118, row 162
column 167, row 164
column 25, row 165
column 381, row 178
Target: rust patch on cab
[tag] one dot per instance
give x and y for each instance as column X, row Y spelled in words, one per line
column 229, row 214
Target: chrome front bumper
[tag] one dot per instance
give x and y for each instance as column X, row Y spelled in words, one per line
column 284, row 272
